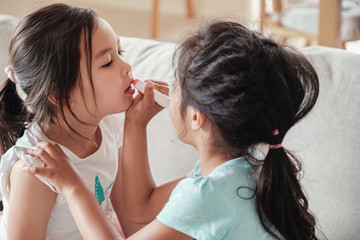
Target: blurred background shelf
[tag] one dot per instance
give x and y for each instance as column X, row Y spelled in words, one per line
column 171, row 20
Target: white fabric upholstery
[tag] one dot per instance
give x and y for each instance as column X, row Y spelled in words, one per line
column 327, row 140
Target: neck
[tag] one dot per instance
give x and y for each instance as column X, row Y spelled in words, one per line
column 211, row 160
column 82, row 140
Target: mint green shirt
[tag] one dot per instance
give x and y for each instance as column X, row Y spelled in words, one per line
column 218, row 206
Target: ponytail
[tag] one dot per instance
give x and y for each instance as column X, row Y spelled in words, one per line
column 13, row 116
column 247, row 86
column 280, row 200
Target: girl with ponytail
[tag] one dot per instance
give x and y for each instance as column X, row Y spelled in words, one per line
column 236, row 95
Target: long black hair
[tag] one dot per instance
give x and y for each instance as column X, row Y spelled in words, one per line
column 44, row 53
column 248, row 87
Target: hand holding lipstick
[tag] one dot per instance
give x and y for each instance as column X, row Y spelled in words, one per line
column 160, row 98
column 152, row 97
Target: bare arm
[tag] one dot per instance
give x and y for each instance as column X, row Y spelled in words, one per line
column 88, row 213
column 117, row 200
column 143, row 199
column 83, row 204
column 30, row 205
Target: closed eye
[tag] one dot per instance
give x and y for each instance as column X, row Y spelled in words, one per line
column 108, row 64
column 120, row 53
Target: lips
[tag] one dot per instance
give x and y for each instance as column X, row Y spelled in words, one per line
column 131, row 89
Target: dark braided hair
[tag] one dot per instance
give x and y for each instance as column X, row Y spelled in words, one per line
column 248, row 86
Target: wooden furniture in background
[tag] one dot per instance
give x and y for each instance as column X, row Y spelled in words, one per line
column 330, row 19
column 156, row 16
column 271, row 22
column 330, row 22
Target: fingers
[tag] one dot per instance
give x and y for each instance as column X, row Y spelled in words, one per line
column 160, row 83
column 138, row 98
column 52, row 149
column 162, row 87
column 149, row 92
column 41, row 153
column 44, row 172
column 48, row 152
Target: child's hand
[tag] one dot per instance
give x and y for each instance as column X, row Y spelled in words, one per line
column 144, row 107
column 58, row 170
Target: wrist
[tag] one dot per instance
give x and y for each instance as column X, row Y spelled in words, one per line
column 74, row 189
column 132, row 124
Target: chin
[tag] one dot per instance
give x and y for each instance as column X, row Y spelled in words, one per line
column 182, row 136
column 127, row 104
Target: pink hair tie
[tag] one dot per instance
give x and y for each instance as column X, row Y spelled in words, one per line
column 276, row 132
column 276, row 146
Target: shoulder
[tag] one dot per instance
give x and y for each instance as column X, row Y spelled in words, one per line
column 26, row 183
column 200, row 191
column 13, row 156
column 30, row 202
column 199, row 208
column 199, row 197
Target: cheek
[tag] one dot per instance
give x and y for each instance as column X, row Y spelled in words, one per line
column 177, row 120
column 174, row 110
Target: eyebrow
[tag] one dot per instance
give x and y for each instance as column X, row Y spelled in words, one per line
column 104, row 51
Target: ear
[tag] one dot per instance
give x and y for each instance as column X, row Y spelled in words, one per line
column 54, row 100
column 197, row 118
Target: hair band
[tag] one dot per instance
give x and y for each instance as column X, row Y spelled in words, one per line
column 276, row 146
column 275, row 132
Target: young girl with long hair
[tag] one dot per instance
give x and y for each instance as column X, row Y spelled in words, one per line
column 236, row 95
column 67, row 79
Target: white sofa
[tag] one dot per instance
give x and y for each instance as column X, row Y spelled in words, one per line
column 328, row 140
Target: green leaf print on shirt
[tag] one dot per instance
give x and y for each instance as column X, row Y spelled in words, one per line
column 99, row 190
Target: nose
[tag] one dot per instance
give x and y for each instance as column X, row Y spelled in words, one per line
column 125, row 69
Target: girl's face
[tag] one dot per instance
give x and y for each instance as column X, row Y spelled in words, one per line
column 113, row 88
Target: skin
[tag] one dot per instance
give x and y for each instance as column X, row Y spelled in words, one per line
column 29, row 219
column 85, row 209
column 140, row 186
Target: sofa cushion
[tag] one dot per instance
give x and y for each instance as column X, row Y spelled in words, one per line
column 327, row 141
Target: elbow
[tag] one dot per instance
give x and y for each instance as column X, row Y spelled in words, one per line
column 139, row 216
